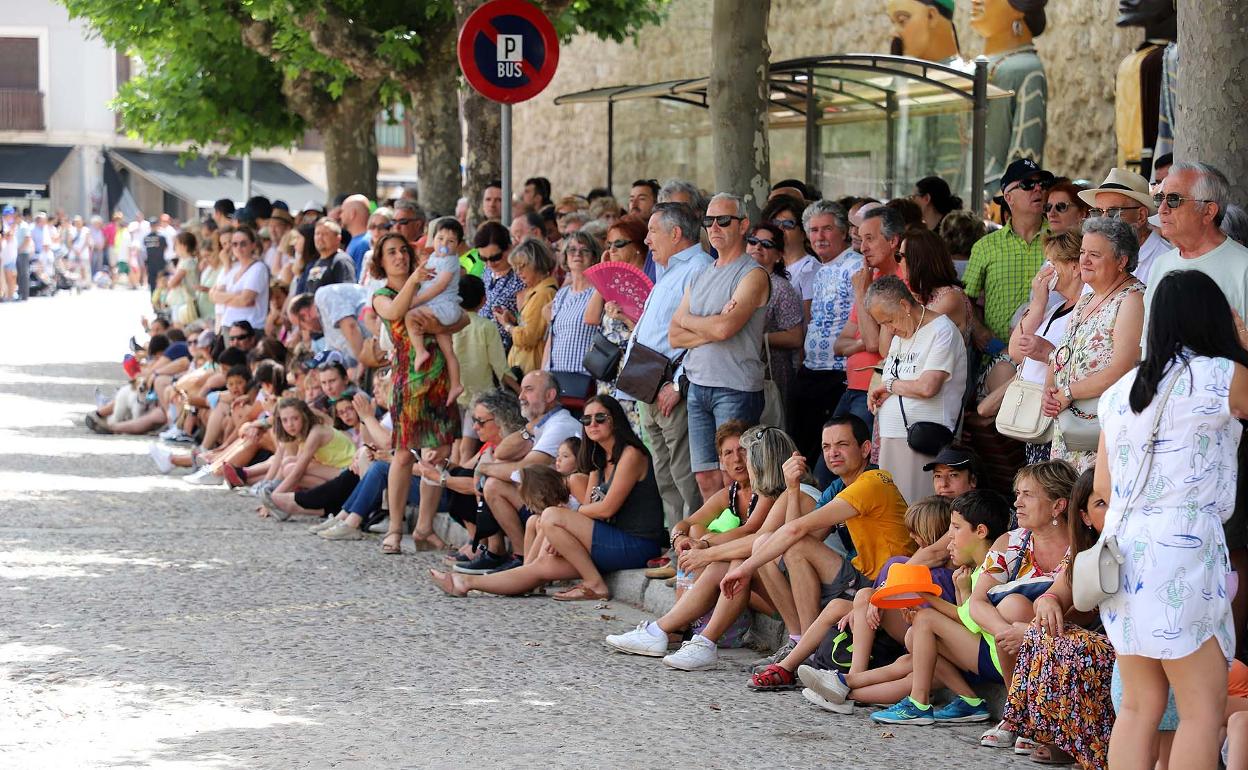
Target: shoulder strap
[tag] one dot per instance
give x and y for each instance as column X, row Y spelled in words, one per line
column 1151, row 446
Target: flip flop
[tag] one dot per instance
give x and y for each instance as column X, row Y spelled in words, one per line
column 580, row 593
column 392, row 549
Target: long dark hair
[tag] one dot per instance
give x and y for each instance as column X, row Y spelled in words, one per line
column 1082, row 536
column 928, row 264
column 1189, row 317
column 592, row 457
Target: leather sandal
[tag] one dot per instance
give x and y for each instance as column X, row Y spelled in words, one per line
column 395, row 548
column 580, row 593
column 1048, row 754
column 773, row 678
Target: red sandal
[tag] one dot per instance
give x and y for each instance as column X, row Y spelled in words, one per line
column 773, row 678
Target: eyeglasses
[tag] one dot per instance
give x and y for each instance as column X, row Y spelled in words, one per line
column 766, row 243
column 1027, row 185
column 239, row 337
column 723, row 220
column 240, row 243
column 380, row 227
column 578, row 251
column 1114, row 212
column 621, row 243
column 597, row 417
column 479, row 422
column 785, row 224
column 1060, row 208
column 1174, row 200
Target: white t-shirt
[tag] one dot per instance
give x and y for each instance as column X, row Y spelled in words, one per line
column 1152, row 248
column 937, row 346
column 557, row 428
column 1227, row 265
column 255, row 278
column 802, row 276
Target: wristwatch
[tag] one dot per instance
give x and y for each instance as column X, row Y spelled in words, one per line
column 1066, row 392
column 524, row 434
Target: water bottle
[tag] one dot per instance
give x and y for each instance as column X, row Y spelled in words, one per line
column 684, row 581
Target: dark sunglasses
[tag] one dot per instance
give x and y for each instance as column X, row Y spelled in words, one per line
column 1174, row 200
column 597, row 417
column 1027, row 185
column 785, row 224
column 621, row 243
column 766, row 243
column 1060, row 208
column 1114, row 212
column 239, row 337
column 404, row 222
column 479, row 422
column 723, row 220
column 491, row 257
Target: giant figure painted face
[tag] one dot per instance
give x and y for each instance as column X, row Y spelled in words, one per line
column 923, row 29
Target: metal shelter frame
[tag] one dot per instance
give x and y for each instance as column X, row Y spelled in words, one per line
column 838, row 88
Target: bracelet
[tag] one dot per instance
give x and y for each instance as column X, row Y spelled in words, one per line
column 888, row 386
column 1052, row 596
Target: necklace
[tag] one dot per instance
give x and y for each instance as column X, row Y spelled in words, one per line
column 1064, row 353
column 913, row 335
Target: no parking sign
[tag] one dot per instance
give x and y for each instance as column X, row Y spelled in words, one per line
column 508, row 50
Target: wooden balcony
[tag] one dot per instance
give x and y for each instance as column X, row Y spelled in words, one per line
column 21, row 110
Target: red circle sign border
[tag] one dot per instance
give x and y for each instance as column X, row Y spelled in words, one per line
column 477, row 24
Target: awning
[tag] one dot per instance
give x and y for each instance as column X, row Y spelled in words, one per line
column 200, row 181
column 26, row 168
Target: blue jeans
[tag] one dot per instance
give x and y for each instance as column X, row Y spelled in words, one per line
column 366, row 497
column 612, row 549
column 710, row 407
column 855, row 402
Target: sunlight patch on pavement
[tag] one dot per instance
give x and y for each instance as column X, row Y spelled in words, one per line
column 59, row 482
column 16, row 377
column 56, row 721
column 12, row 443
column 26, row 412
column 27, row 564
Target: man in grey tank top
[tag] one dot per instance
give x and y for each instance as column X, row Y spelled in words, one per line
column 720, row 322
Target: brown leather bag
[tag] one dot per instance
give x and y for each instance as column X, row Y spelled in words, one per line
column 644, row 372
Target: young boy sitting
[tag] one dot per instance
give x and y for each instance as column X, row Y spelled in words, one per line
column 942, row 646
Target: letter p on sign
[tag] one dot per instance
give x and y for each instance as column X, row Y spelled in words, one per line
column 510, row 48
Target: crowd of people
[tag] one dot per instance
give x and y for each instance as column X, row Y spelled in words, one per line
column 817, row 414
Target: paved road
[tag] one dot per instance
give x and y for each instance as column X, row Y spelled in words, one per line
column 148, row 623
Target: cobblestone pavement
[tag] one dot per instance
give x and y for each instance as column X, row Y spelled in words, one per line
column 148, row 623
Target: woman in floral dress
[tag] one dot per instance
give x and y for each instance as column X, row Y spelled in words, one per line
column 422, row 420
column 1102, row 340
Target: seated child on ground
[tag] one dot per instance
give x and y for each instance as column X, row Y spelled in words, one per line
column 942, row 646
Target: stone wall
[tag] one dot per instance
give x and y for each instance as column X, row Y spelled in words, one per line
column 1081, row 50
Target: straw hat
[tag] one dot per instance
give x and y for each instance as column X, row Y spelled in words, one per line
column 907, row 585
column 1125, row 183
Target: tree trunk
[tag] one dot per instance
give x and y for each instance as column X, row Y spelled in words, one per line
column 483, row 119
column 350, row 147
column 1213, row 94
column 439, row 139
column 738, row 94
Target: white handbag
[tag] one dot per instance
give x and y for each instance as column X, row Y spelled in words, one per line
column 1022, row 415
column 1096, row 573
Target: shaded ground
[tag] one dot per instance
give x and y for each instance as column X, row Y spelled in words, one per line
column 148, row 623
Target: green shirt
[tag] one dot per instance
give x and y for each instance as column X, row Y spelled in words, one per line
column 964, row 614
column 1001, row 269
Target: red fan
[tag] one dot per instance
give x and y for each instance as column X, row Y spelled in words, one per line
column 623, row 284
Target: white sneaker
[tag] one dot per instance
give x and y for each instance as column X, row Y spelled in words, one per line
column 323, row 525
column 168, row 433
column 204, row 478
column 828, row 684
column 639, row 641
column 836, row 708
column 162, row 457
column 697, row 654
column 342, row 531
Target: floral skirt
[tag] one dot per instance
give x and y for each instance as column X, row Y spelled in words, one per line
column 1061, row 693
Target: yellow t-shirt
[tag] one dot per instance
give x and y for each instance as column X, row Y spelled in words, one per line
column 879, row 530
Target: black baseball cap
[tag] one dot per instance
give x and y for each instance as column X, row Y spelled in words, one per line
column 1024, row 168
column 954, row 457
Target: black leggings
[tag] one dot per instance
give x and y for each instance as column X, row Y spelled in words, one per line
column 331, row 495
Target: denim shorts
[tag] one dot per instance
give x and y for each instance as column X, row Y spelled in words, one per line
column 710, row 407
column 987, row 673
column 612, row 550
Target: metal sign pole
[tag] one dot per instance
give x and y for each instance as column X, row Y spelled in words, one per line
column 505, row 156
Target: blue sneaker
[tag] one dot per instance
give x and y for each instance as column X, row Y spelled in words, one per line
column 905, row 711
column 485, row 563
column 961, row 710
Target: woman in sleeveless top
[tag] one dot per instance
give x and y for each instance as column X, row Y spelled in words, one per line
column 308, row 453
column 621, row 527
